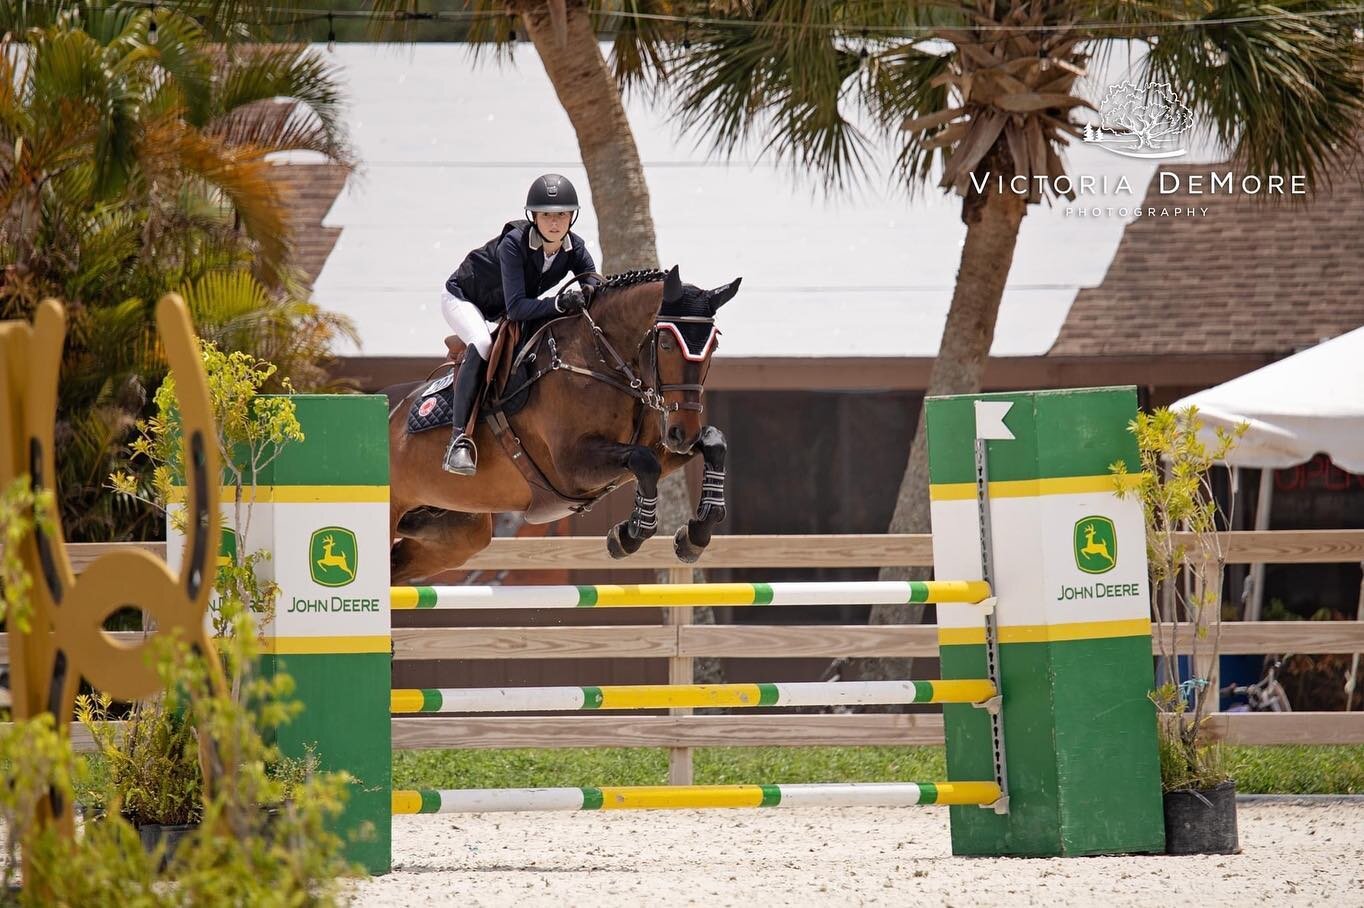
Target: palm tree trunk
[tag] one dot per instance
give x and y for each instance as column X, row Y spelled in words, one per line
column 592, row 101
column 620, row 193
column 992, row 222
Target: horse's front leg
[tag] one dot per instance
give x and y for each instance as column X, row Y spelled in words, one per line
column 692, row 539
column 626, row 537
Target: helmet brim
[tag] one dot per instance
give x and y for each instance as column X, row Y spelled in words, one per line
column 552, row 209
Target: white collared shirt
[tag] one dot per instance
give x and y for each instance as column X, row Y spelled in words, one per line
column 538, row 242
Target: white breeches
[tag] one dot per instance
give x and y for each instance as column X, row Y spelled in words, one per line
column 467, row 322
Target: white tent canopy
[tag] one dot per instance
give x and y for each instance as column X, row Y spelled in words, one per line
column 1309, row 403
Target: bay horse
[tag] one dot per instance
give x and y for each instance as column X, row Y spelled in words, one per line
column 614, row 395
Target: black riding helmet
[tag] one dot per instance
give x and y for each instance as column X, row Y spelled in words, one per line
column 550, row 193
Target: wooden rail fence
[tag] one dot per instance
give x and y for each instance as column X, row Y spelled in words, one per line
column 680, row 643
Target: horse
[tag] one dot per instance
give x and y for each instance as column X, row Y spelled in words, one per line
column 612, row 394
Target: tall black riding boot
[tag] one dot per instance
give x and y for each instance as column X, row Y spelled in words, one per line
column 462, row 456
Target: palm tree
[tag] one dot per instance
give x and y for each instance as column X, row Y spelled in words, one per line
column 133, row 164
column 565, row 35
column 987, row 88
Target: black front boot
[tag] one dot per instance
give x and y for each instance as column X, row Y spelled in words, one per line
column 461, row 456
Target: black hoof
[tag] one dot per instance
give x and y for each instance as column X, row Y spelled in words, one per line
column 682, row 545
column 619, row 543
column 613, row 546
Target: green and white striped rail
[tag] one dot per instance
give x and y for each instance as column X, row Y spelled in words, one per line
column 672, row 595
column 677, row 696
column 689, row 797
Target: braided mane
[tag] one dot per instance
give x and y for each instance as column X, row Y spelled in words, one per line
column 631, row 278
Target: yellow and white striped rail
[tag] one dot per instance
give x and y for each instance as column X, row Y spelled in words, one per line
column 672, row 595
column 689, row 797
column 676, row 696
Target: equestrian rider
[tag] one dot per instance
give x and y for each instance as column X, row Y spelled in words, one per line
column 504, row 278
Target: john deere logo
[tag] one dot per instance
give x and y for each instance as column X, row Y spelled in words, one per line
column 333, row 556
column 1096, row 545
column 227, row 547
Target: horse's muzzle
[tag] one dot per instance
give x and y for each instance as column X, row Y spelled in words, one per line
column 676, row 441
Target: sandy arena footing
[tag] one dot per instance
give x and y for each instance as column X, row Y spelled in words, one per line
column 1291, row 854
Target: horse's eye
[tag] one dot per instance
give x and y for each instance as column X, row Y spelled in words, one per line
column 665, row 342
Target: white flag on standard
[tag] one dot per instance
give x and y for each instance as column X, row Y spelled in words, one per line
column 990, row 419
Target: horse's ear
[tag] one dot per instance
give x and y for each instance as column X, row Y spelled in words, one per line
column 723, row 294
column 672, row 287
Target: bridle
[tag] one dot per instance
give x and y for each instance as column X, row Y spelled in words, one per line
column 697, row 362
column 647, row 386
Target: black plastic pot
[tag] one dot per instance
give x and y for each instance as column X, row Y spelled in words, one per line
column 153, row 834
column 1202, row 822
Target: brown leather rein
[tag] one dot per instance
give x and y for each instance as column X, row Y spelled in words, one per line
column 651, row 394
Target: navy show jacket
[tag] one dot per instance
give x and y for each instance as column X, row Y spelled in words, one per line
column 506, row 275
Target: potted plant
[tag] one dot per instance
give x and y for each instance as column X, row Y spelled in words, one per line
column 1186, row 556
column 152, row 763
column 153, row 760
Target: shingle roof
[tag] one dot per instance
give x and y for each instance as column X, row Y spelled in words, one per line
column 1246, row 278
column 311, row 190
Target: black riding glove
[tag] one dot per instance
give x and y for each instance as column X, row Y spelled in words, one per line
column 571, row 301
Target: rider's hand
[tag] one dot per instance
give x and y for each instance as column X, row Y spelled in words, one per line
column 570, row 302
column 588, row 291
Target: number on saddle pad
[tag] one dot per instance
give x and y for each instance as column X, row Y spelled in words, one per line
column 439, row 384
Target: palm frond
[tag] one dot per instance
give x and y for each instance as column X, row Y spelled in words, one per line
column 1284, row 90
column 245, row 179
column 781, row 84
column 299, row 75
column 274, row 126
column 642, row 48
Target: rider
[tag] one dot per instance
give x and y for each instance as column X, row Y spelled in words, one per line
column 505, row 277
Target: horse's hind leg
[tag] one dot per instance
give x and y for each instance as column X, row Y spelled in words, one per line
column 692, row 539
column 436, row 541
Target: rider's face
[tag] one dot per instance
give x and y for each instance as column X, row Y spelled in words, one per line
column 552, row 224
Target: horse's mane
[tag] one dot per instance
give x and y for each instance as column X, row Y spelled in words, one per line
column 625, row 313
column 691, row 303
column 631, row 278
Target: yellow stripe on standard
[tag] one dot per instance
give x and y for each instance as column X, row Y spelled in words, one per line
column 662, row 797
column 967, row 792
column 659, row 696
column 297, row 494
column 1042, row 633
column 1032, row 488
column 377, row 643
column 405, row 802
column 668, row 594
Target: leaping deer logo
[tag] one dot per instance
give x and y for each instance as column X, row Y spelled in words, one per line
column 334, row 556
column 1091, row 547
column 1098, row 553
column 333, row 559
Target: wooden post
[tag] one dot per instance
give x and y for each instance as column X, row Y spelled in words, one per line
column 679, row 672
